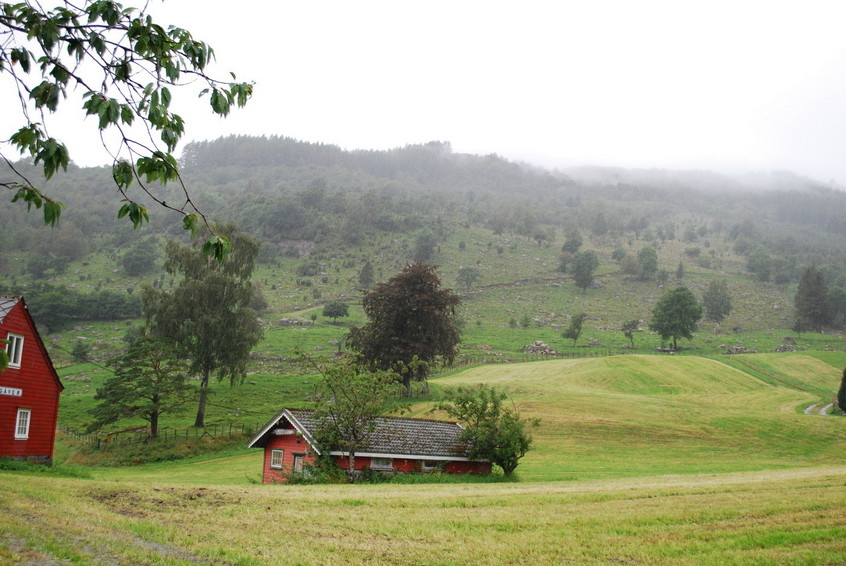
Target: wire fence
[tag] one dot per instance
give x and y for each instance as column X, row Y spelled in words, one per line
column 142, row 434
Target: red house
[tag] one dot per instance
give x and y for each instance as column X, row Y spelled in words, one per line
column 29, row 388
column 397, row 444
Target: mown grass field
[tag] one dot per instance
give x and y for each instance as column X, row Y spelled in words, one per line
column 792, row 517
column 675, row 460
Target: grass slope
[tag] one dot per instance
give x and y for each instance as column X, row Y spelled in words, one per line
column 646, row 415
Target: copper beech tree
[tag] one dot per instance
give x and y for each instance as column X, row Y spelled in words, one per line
column 412, row 323
column 126, row 67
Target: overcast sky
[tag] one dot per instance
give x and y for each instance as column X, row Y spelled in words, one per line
column 730, row 86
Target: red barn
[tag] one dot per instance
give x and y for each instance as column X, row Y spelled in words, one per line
column 397, row 444
column 29, row 388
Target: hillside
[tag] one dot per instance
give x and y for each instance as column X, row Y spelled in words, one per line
column 644, row 415
column 609, row 417
column 324, row 214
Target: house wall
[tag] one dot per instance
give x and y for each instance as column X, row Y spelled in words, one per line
column 467, row 468
column 414, row 465
column 291, row 444
column 39, row 393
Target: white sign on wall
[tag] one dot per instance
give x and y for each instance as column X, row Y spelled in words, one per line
column 11, row 391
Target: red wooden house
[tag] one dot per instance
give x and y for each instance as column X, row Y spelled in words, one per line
column 29, row 388
column 397, row 444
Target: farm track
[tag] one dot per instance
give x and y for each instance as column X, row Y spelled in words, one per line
column 823, row 411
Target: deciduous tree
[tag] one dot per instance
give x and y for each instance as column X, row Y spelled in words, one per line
column 647, row 261
column 335, row 309
column 717, row 301
column 629, row 328
column 467, row 276
column 411, row 316
column 676, row 315
column 348, row 400
column 494, row 431
column 841, row 393
column 575, row 329
column 208, row 314
column 583, row 265
column 127, row 67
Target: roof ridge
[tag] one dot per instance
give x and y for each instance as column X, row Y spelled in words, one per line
column 392, row 417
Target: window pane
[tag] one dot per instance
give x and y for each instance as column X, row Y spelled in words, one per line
column 14, row 349
column 276, row 458
column 22, row 430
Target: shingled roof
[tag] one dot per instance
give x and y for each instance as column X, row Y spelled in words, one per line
column 396, row 437
column 7, row 303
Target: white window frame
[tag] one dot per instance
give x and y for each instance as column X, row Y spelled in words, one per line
column 277, row 458
column 15, row 349
column 382, row 464
column 22, row 424
column 299, row 463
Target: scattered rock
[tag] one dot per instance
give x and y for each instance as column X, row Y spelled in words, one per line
column 539, row 347
column 736, row 349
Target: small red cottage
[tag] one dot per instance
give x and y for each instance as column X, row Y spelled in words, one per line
column 29, row 388
column 397, row 444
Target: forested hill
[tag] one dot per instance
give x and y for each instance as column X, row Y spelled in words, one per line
column 403, row 189
column 283, row 190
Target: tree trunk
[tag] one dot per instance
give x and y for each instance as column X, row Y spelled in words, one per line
column 406, row 382
column 351, row 466
column 200, row 421
column 154, row 425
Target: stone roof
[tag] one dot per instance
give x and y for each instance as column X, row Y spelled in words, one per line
column 7, row 303
column 393, row 436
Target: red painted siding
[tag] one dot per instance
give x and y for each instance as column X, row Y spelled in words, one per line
column 414, row 465
column 290, row 444
column 40, row 388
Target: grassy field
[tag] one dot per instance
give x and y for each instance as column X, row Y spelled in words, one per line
column 675, row 460
column 789, row 517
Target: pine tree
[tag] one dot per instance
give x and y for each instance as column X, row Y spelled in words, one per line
column 811, row 300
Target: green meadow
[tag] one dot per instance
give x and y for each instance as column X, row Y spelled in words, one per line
column 640, row 459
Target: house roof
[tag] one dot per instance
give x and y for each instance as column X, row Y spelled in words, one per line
column 7, row 303
column 393, row 437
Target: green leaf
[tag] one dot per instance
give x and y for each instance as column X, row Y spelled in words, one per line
column 191, row 222
column 122, row 174
column 52, row 213
column 137, row 213
column 218, row 247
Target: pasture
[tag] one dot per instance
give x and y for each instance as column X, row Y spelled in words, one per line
column 639, row 460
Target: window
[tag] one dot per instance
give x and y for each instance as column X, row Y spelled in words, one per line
column 433, row 465
column 299, row 459
column 22, row 428
column 276, row 458
column 381, row 463
column 14, row 349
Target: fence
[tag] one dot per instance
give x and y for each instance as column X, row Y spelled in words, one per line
column 141, row 435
